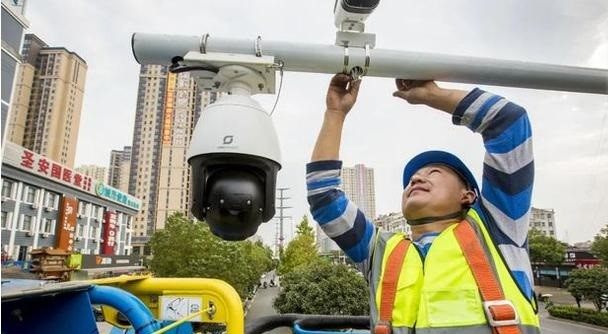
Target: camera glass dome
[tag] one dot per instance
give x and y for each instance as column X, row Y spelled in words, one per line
column 235, row 202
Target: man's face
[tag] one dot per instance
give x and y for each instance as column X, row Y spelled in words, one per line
column 435, row 190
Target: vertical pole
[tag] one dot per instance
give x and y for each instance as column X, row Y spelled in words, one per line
column 280, row 236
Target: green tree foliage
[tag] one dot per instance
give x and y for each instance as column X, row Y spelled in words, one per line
column 589, row 284
column 301, row 251
column 544, row 249
column 600, row 245
column 323, row 288
column 185, row 248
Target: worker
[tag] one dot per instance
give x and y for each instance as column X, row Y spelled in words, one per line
column 465, row 268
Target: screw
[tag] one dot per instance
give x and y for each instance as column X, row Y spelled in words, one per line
column 261, row 86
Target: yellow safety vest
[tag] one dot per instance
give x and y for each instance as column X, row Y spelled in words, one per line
column 439, row 294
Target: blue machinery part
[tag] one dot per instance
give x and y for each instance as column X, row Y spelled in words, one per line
column 130, row 306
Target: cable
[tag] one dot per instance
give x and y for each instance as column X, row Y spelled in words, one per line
column 181, row 321
column 276, row 101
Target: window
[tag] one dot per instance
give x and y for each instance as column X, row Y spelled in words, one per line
column 92, row 233
column 26, row 223
column 81, row 208
column 29, row 195
column 52, row 200
column 47, row 226
column 5, row 217
column 7, row 189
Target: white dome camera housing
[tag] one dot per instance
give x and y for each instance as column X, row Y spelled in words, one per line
column 350, row 15
column 234, row 156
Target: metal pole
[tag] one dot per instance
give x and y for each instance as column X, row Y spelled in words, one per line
column 319, row 58
column 280, row 235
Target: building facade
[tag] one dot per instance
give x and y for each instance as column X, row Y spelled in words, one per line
column 13, row 26
column 543, row 220
column 46, row 204
column 97, row 173
column 47, row 101
column 168, row 107
column 393, row 222
column 118, row 170
column 358, row 184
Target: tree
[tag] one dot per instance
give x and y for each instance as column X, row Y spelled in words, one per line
column 323, row 288
column 301, row 251
column 186, row 248
column 544, row 249
column 600, row 245
column 589, row 284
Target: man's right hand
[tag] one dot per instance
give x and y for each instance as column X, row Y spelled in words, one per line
column 342, row 94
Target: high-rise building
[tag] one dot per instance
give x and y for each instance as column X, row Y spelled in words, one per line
column 393, row 222
column 118, row 171
column 98, row 173
column 13, row 25
column 358, row 184
column 543, row 220
column 145, row 154
column 47, row 101
column 168, row 107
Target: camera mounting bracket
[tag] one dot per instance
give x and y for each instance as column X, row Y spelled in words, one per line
column 231, row 72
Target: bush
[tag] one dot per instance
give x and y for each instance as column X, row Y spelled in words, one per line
column 583, row 314
column 323, row 288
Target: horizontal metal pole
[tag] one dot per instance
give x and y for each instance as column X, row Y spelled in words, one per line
column 319, row 58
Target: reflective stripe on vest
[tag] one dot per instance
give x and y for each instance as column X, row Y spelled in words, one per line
column 443, row 296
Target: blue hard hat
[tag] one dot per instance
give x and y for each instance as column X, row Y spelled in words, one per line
column 442, row 158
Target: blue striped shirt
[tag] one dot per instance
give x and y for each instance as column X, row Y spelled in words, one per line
column 508, row 175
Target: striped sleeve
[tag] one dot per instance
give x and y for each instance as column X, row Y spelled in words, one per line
column 338, row 217
column 508, row 174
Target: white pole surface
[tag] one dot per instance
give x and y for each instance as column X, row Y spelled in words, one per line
column 318, row 58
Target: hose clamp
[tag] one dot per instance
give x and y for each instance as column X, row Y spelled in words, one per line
column 203, row 43
column 258, row 46
column 367, row 59
column 345, row 69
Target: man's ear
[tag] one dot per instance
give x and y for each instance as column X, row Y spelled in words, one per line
column 468, row 197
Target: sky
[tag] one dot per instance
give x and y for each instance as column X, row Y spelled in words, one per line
column 382, row 132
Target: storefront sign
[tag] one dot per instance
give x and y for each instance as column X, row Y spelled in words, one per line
column 109, row 233
column 107, row 261
column 115, row 195
column 23, row 158
column 67, row 223
column 39, row 165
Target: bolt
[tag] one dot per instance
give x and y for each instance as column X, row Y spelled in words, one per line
column 222, row 201
column 248, row 202
column 261, row 86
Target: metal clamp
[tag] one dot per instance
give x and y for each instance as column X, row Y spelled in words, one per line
column 203, row 43
column 367, row 59
column 258, row 46
column 344, row 70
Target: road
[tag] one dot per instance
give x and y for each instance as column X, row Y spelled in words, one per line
column 262, row 306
